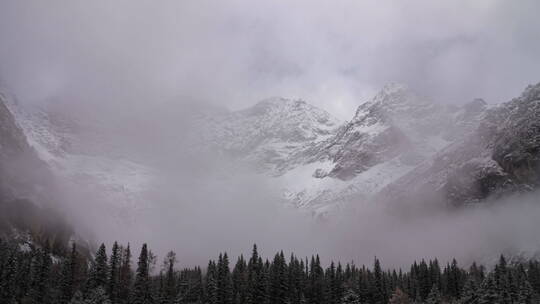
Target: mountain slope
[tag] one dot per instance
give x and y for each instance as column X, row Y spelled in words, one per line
column 398, row 144
column 28, row 200
column 268, row 133
column 386, row 139
column 500, row 156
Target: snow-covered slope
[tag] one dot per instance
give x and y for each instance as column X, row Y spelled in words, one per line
column 501, row 155
column 397, row 142
column 57, row 140
column 28, row 187
column 270, row 132
column 386, row 139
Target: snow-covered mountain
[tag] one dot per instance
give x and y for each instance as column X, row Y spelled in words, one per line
column 501, row 155
column 83, row 160
column 388, row 137
column 397, row 144
column 28, row 200
column 270, row 132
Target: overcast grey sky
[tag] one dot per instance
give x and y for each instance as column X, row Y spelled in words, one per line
column 334, row 54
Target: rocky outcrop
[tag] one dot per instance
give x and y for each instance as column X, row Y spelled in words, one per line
column 500, row 156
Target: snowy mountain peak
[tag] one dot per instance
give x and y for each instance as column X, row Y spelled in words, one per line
column 394, row 102
column 289, row 110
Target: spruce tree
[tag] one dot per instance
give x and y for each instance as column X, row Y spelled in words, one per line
column 69, row 273
column 114, row 270
column 489, row 292
column 170, row 290
column 142, row 289
column 211, row 284
column 99, row 270
column 224, row 283
column 278, row 280
column 470, row 292
column 331, row 290
column 256, row 279
column 239, row 281
column 97, row 296
column 523, row 291
column 379, row 293
column 39, row 293
column 434, row 296
column 125, row 276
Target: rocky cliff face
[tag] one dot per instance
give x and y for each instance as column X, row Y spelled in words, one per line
column 17, row 158
column 499, row 156
column 28, row 201
column 387, row 138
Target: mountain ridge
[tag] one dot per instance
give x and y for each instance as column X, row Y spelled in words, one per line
column 318, row 162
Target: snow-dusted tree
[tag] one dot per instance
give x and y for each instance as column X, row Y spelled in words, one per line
column 97, row 296
column 399, row 297
column 125, row 276
column 350, row 297
column 99, row 270
column 434, row 296
column 68, row 275
column 142, row 293
column 489, row 293
column 470, row 292
column 211, row 284
column 39, row 291
column 170, row 277
column 114, row 269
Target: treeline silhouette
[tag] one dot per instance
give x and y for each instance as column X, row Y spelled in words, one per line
column 31, row 274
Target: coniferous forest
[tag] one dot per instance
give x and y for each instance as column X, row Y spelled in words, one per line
column 33, row 274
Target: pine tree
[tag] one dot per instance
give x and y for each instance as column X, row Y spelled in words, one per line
column 114, row 269
column 379, row 294
column 239, row 281
column 99, row 270
column 278, row 280
column 224, row 280
column 256, row 279
column 434, row 296
column 125, row 276
column 142, row 288
column 523, row 291
column 170, row 291
column 423, row 280
column 39, row 293
column 211, row 284
column 470, row 292
column 331, row 292
column 69, row 274
column 489, row 293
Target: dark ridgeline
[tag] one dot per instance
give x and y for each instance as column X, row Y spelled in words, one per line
column 31, row 274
